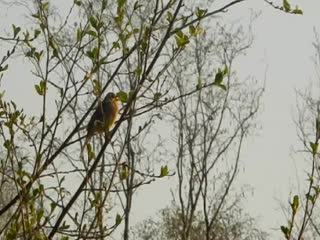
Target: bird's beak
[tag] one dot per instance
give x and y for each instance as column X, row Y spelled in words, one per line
column 116, row 98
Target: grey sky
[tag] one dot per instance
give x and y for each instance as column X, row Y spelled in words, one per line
column 282, row 50
column 283, row 46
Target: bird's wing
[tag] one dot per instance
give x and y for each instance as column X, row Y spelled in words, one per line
column 96, row 116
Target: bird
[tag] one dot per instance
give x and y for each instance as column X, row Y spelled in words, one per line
column 104, row 117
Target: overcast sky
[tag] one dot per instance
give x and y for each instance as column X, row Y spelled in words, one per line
column 282, row 50
column 283, row 44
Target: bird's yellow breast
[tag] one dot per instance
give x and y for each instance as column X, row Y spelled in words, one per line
column 114, row 113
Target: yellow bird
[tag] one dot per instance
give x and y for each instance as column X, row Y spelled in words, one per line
column 104, row 116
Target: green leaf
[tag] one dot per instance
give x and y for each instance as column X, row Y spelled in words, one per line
column 295, row 204
column 164, row 171
column 2, row 69
column 296, row 201
column 286, row 6
column 297, row 11
column 285, row 231
column 123, row 96
column 195, row 31
column 77, row 2
column 16, row 30
column 36, row 33
column 124, row 172
column 7, row 144
column 136, row 31
column 93, row 22
column 156, row 96
column 36, row 15
column 35, row 192
column 43, row 26
column 314, row 147
column 316, row 189
column 219, row 77
column 27, row 37
column 180, row 34
column 93, row 54
column 38, row 89
column 64, row 226
column 45, row 6
column 31, row 52
column 181, row 39
column 118, row 20
column 91, row 154
column 138, row 71
column 226, row 70
column 91, row 33
column 55, row 53
column 311, row 198
column 40, row 214
column 52, row 43
column 192, row 30
column 201, row 12
column 169, row 17
column 38, row 55
column 121, row 3
column 199, row 85
column 116, row 45
column 53, row 206
column 118, row 219
column 43, row 84
column 13, row 232
column 79, row 35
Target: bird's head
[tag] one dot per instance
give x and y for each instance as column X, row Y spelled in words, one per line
column 111, row 97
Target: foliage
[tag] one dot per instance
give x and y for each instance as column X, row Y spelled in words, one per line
column 232, row 224
column 76, row 53
column 303, row 208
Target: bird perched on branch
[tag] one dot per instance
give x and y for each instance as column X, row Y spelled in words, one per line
column 104, row 116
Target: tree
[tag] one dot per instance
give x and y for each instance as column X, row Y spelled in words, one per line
column 232, row 224
column 209, row 129
column 303, row 209
column 76, row 57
